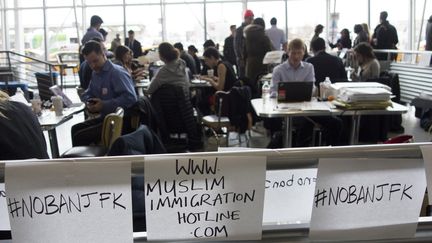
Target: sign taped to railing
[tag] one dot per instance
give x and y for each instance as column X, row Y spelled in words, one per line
column 367, row 199
column 204, row 198
column 427, row 158
column 4, row 218
column 69, row 202
column 289, row 196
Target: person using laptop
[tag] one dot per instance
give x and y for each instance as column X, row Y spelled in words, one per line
column 296, row 70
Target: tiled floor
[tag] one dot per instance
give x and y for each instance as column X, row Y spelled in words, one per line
column 257, row 138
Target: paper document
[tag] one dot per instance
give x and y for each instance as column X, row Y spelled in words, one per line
column 273, row 57
column 304, row 106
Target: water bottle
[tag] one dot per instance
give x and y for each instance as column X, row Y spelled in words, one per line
column 324, row 88
column 265, row 92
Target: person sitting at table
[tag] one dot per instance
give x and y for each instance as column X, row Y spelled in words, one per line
column 369, row 66
column 296, row 70
column 192, row 50
column 22, row 137
column 111, row 87
column 123, row 57
column 325, row 65
column 172, row 73
column 225, row 77
column 190, row 62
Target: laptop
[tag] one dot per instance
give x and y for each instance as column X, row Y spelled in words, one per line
column 295, row 91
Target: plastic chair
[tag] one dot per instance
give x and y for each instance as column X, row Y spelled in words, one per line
column 111, row 130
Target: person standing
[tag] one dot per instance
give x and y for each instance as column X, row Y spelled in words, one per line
column 116, row 42
column 93, row 30
column 111, row 86
column 384, row 37
column 228, row 50
column 257, row 44
column 361, row 35
column 317, row 32
column 239, row 43
column 429, row 34
column 133, row 44
column 343, row 42
column 277, row 36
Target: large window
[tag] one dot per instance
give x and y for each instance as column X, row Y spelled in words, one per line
column 345, row 14
column 420, row 23
column 185, row 23
column 63, row 30
column 112, row 21
column 398, row 15
column 268, row 10
column 303, row 16
column 220, row 16
column 146, row 22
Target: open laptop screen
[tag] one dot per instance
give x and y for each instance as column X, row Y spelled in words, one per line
column 295, row 91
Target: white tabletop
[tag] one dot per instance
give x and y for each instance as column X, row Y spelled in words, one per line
column 269, row 109
column 48, row 118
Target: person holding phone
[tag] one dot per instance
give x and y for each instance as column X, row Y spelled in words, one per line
column 111, row 87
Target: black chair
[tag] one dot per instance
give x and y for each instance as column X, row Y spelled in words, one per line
column 177, row 117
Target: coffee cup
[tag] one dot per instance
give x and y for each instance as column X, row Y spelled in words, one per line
column 36, row 106
column 210, row 73
column 58, row 105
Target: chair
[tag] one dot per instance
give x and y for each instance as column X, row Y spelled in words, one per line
column 176, row 117
column 111, row 130
column 219, row 122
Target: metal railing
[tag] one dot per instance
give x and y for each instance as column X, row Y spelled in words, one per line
column 21, row 68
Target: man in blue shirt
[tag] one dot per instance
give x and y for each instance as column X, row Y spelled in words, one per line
column 93, row 31
column 294, row 69
column 277, row 36
column 111, row 86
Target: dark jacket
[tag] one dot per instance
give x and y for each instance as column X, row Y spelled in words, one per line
column 190, row 62
column 257, row 45
column 21, row 134
column 141, row 141
column 429, row 35
column 228, row 50
column 386, row 35
column 239, row 106
column 326, row 65
column 135, row 47
column 342, row 43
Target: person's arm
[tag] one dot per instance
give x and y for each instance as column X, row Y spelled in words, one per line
column 139, row 48
column 276, row 78
column 122, row 85
column 156, row 82
column 219, row 82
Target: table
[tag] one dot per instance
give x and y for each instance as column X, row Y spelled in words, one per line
column 268, row 110
column 49, row 121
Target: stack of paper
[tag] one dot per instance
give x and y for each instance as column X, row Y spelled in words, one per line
column 364, row 94
column 304, row 106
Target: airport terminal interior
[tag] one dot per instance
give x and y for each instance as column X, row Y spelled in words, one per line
column 294, row 79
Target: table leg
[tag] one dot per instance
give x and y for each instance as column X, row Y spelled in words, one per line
column 355, row 129
column 287, row 136
column 52, row 134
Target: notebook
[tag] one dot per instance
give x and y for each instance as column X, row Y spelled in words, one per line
column 295, row 91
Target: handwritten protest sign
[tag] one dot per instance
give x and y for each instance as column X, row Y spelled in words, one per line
column 289, row 196
column 4, row 218
column 427, row 158
column 204, row 198
column 69, row 202
column 365, row 199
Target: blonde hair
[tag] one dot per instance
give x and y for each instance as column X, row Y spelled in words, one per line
column 4, row 97
column 296, row 44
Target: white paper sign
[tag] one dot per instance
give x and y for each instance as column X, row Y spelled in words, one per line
column 204, row 198
column 365, row 199
column 427, row 158
column 4, row 218
column 289, row 196
column 69, row 202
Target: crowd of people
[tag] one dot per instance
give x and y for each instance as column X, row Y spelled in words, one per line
column 108, row 76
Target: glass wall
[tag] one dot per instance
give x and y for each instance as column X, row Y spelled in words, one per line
column 302, row 18
column 420, row 23
column 398, row 15
column 193, row 21
column 185, row 23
